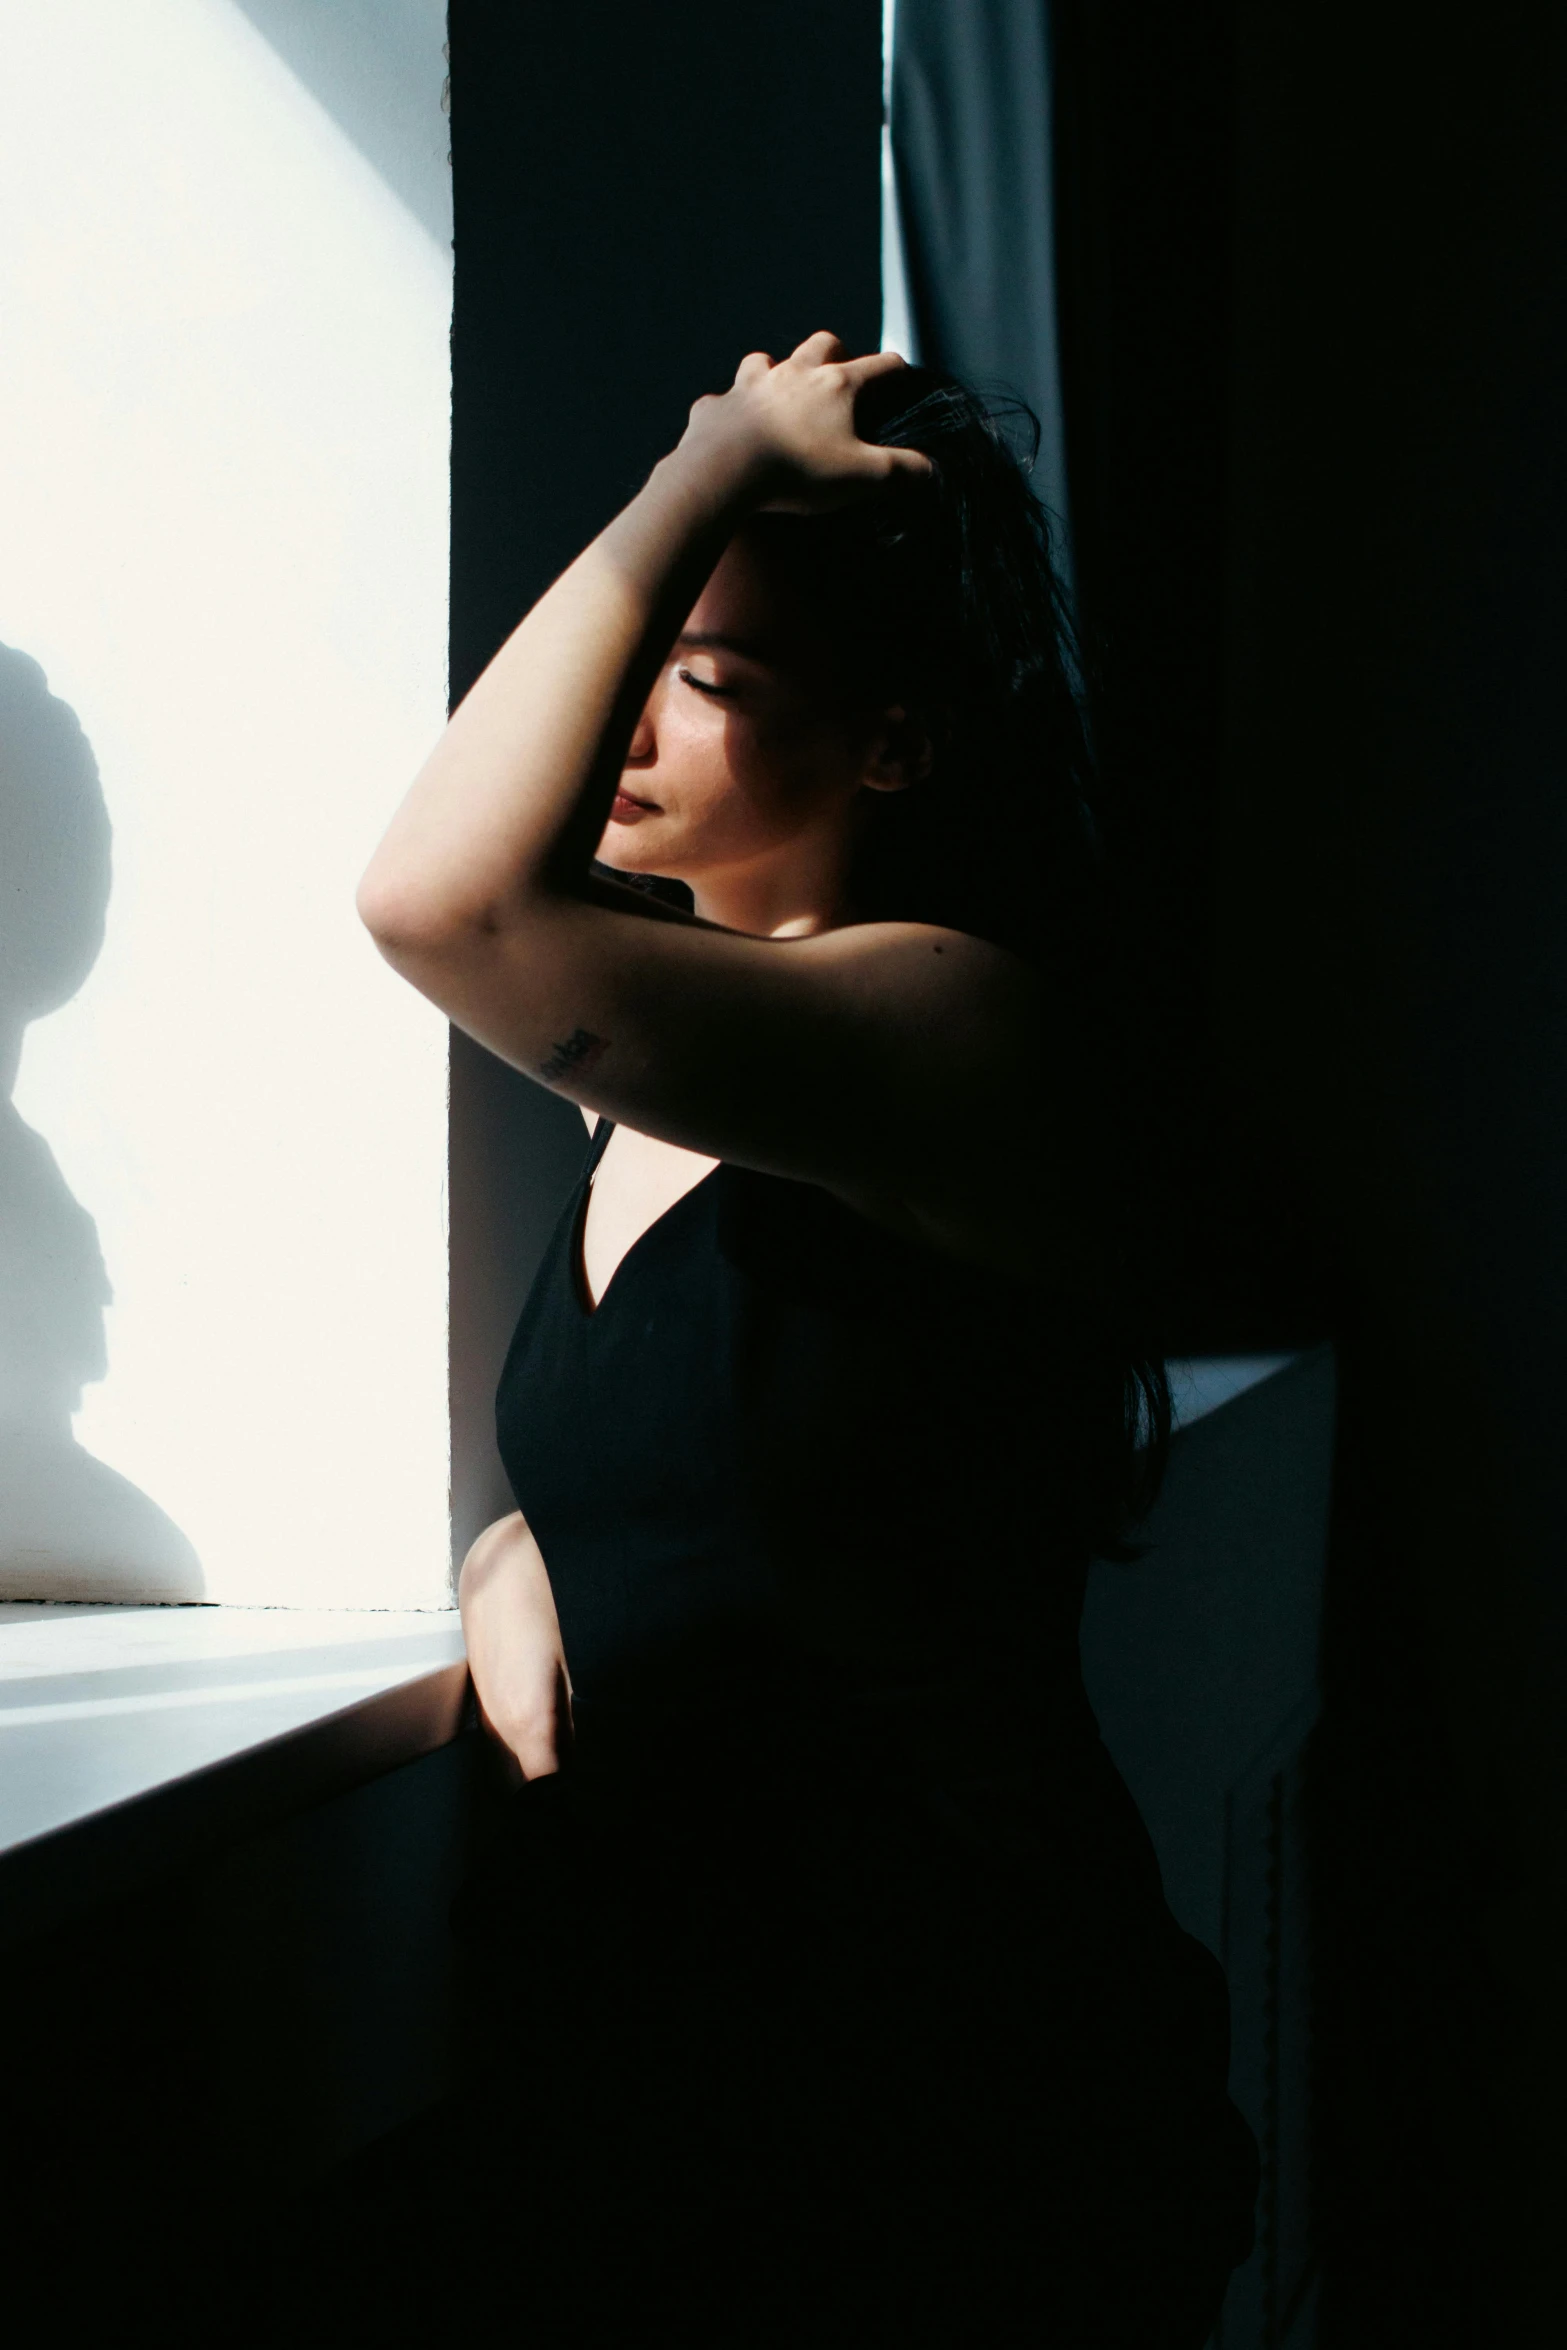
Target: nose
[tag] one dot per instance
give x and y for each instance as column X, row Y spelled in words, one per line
column 644, row 742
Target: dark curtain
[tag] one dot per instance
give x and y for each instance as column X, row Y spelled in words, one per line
column 1065, row 180
column 972, row 140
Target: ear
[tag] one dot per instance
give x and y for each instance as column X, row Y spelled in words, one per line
column 899, row 751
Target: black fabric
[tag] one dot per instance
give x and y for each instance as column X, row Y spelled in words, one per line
column 791, row 1444
column 850, row 1987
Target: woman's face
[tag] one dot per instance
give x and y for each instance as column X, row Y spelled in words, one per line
column 749, row 757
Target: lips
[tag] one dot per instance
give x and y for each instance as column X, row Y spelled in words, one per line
column 626, row 810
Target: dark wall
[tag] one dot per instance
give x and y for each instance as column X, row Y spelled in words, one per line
column 197, row 2051
column 1392, row 978
column 642, row 196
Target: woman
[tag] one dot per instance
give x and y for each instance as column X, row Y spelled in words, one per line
column 866, row 2016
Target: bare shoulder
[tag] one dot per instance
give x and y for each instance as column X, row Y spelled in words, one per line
column 973, row 988
column 962, row 1022
column 967, row 1040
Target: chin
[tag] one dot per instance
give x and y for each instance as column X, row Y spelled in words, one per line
column 621, row 852
column 620, row 848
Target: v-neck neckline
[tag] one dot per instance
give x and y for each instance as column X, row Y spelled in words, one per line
column 586, row 1306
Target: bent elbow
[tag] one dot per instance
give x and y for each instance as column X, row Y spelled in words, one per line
column 410, row 923
column 390, row 911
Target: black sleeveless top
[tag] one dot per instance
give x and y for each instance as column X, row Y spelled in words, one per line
column 799, row 1477
column 785, row 1439
column 808, row 1498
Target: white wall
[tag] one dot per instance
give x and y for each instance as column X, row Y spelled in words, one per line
column 224, row 416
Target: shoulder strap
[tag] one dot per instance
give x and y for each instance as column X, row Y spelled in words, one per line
column 600, row 1137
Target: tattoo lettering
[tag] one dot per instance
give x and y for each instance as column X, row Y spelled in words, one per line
column 580, row 1050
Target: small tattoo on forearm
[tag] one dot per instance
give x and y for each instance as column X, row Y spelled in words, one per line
column 577, row 1054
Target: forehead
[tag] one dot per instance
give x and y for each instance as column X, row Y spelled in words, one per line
column 755, row 605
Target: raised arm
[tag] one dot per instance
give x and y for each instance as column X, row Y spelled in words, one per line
column 865, row 1057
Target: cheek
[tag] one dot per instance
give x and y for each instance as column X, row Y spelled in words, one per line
column 721, row 771
column 770, row 782
column 733, row 777
column 696, row 753
column 790, row 765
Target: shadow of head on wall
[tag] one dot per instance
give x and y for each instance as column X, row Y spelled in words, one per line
column 70, row 1527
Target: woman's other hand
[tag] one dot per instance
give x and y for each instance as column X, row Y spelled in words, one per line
column 514, row 1647
column 789, row 424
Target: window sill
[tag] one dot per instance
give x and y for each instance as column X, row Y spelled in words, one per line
column 1202, row 1384
column 134, row 1741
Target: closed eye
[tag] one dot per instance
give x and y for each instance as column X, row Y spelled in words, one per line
column 700, row 685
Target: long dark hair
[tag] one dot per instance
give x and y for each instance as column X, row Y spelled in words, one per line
column 944, row 595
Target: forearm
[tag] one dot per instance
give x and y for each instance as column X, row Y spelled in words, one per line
column 511, row 804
